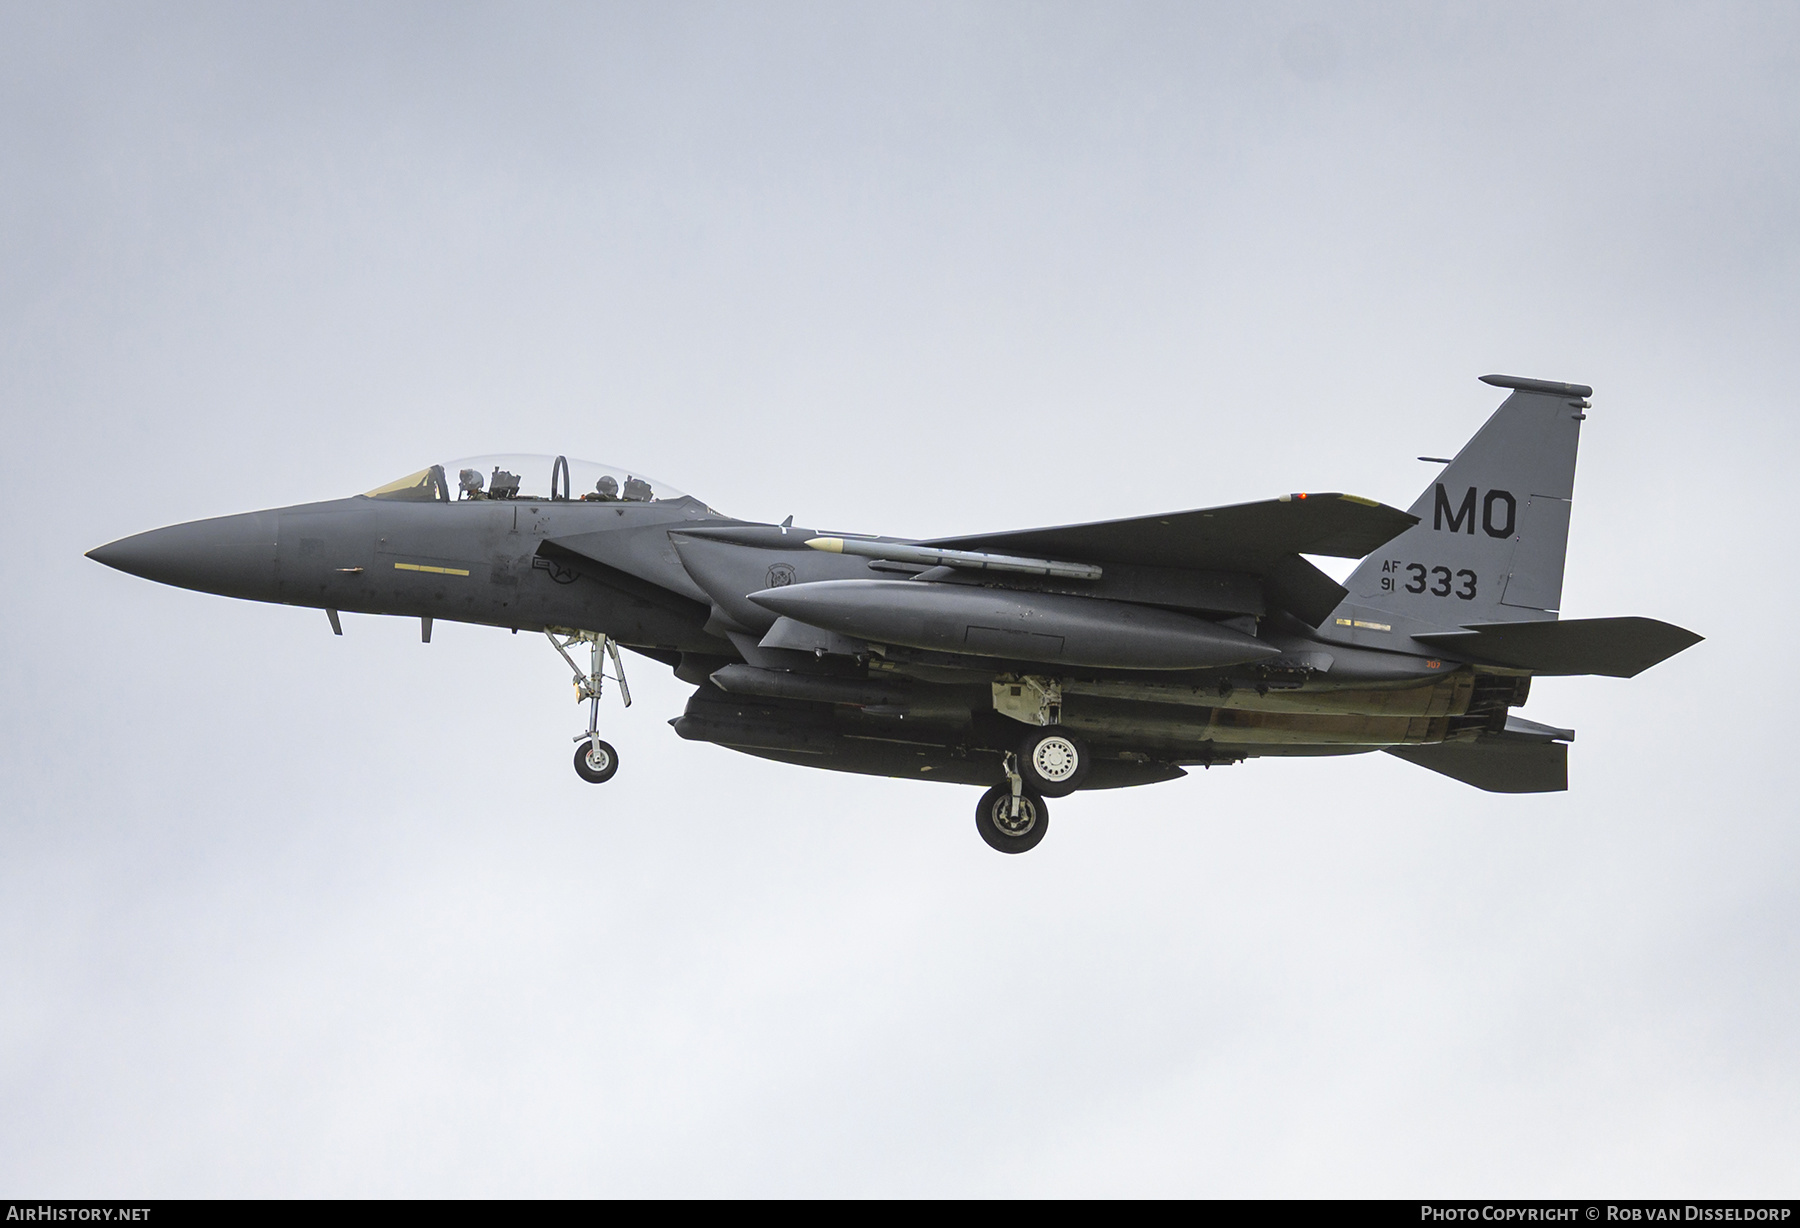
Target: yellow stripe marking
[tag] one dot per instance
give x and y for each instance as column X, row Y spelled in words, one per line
column 436, row 571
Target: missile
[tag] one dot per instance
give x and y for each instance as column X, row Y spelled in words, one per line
column 934, row 556
column 777, row 684
column 1016, row 626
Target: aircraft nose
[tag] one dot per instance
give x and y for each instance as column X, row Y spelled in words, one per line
column 233, row 556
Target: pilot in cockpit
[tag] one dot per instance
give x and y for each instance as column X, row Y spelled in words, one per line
column 606, row 490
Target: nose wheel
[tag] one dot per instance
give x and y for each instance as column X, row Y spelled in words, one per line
column 595, row 760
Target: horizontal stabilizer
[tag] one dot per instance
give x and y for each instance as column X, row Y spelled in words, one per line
column 1246, row 537
column 1613, row 647
column 1496, row 765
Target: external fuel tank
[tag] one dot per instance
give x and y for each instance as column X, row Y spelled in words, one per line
column 1012, row 625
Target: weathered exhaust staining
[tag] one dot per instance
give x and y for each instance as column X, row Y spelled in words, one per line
column 1165, row 725
column 1448, row 697
column 1113, row 653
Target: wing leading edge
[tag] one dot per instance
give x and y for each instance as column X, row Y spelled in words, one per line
column 1240, row 537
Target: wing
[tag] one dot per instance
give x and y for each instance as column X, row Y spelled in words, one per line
column 1242, row 537
column 1263, row 539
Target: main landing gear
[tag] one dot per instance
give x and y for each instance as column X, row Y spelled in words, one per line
column 1050, row 762
column 1012, row 817
column 1053, row 761
column 595, row 761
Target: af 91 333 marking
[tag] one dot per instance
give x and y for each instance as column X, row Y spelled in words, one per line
column 1419, row 578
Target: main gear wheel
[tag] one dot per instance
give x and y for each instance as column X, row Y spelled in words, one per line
column 1002, row 828
column 1053, row 761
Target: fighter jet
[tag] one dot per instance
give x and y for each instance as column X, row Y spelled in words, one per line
column 1033, row 663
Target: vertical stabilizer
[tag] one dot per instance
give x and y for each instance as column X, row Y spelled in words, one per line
column 1494, row 527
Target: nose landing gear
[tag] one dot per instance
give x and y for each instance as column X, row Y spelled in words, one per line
column 595, row 761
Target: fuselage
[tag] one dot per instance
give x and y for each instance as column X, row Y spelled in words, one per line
column 537, row 563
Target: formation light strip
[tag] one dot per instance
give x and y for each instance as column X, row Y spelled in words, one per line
column 436, row 571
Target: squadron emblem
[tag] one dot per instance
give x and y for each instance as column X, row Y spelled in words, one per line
column 558, row 572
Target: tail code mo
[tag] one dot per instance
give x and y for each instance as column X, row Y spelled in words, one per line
column 1499, row 512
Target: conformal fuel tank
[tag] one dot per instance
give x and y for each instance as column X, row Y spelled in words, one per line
column 1013, row 625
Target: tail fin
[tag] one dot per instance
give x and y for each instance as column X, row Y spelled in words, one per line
column 1494, row 527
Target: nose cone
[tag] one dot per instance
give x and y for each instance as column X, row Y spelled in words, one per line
column 233, row 556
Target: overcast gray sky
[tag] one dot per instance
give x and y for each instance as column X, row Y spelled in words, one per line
column 282, row 913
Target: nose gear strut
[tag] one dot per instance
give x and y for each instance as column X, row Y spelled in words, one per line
column 597, row 761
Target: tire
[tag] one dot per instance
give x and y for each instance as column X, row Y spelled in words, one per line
column 596, row 769
column 1054, row 761
column 993, row 819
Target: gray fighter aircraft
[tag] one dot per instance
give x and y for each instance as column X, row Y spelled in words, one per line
column 1034, row 662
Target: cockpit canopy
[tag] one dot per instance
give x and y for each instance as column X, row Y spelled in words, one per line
column 518, row 475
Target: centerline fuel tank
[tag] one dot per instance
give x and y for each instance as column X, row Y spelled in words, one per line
column 1012, row 625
